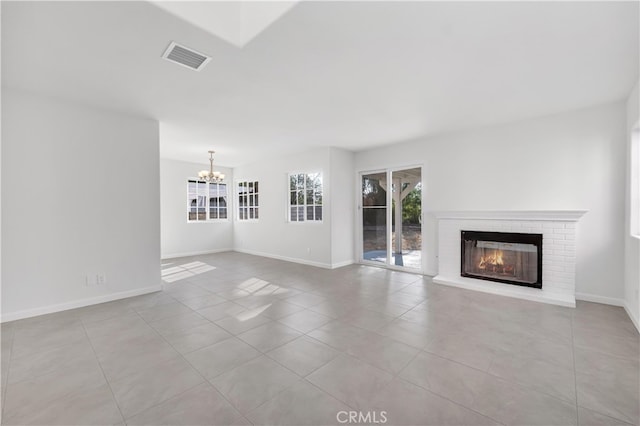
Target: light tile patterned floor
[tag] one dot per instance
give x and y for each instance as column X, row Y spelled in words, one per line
column 239, row 339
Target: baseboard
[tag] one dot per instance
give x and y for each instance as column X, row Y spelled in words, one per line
column 342, row 264
column 634, row 319
column 28, row 313
column 285, row 258
column 586, row 297
column 193, row 253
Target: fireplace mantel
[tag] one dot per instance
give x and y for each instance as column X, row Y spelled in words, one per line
column 546, row 215
column 558, row 227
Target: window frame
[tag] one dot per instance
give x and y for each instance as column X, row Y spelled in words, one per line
column 207, row 206
column 305, row 205
column 256, row 203
column 634, row 184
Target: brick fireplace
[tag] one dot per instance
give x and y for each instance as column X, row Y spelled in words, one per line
column 525, row 254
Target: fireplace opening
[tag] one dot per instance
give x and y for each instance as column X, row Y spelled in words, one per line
column 505, row 257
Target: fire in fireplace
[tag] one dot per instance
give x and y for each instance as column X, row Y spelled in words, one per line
column 505, row 257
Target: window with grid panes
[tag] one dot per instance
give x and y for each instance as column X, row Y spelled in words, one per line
column 206, row 201
column 305, row 197
column 248, row 200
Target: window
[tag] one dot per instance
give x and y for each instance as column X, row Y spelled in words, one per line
column 634, row 204
column 206, row 201
column 248, row 200
column 305, row 197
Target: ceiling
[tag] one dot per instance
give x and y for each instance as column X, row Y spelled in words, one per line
column 237, row 22
column 346, row 74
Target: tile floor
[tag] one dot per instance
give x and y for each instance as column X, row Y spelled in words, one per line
column 238, row 339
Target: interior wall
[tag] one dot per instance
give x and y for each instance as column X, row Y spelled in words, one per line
column 178, row 236
column 632, row 244
column 80, row 197
column 570, row 161
column 342, row 206
column 273, row 235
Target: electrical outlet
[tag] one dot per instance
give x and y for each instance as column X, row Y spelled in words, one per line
column 91, row 280
column 101, row 278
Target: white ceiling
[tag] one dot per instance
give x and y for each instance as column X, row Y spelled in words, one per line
column 347, row 74
column 237, row 22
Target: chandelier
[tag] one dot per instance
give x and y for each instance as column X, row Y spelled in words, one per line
column 210, row 176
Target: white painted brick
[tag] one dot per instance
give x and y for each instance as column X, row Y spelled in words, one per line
column 555, row 268
column 567, row 252
column 563, row 274
column 557, row 258
column 558, row 248
column 564, row 231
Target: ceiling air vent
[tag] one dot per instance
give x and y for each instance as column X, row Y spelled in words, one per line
column 186, row 57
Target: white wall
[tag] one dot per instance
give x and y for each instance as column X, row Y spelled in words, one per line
column 570, row 161
column 632, row 245
column 182, row 238
column 80, row 195
column 306, row 242
column 272, row 235
column 342, row 206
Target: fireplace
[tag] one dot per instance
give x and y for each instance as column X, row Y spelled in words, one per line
column 504, row 257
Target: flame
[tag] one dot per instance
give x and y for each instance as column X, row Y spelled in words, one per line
column 494, row 260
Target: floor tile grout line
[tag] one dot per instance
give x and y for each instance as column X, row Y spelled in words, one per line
column 6, row 380
column 300, row 378
column 328, row 297
column 345, row 352
column 625, row 422
column 521, row 384
column 575, row 372
column 578, row 406
column 205, row 380
column 328, row 393
column 600, row 352
column 453, row 401
column 440, row 395
column 394, row 376
column 113, row 395
column 529, row 386
column 45, row 374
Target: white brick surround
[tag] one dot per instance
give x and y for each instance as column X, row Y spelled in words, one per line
column 559, row 232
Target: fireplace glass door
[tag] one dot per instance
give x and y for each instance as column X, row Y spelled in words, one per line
column 511, row 258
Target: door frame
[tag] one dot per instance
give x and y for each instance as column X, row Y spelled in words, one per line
column 359, row 209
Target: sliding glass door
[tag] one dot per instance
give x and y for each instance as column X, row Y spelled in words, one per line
column 391, row 208
column 375, row 241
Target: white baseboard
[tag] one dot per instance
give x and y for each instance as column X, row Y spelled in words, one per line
column 342, row 264
column 285, row 258
column 28, row 313
column 586, row 297
column 634, row 319
column 193, row 253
